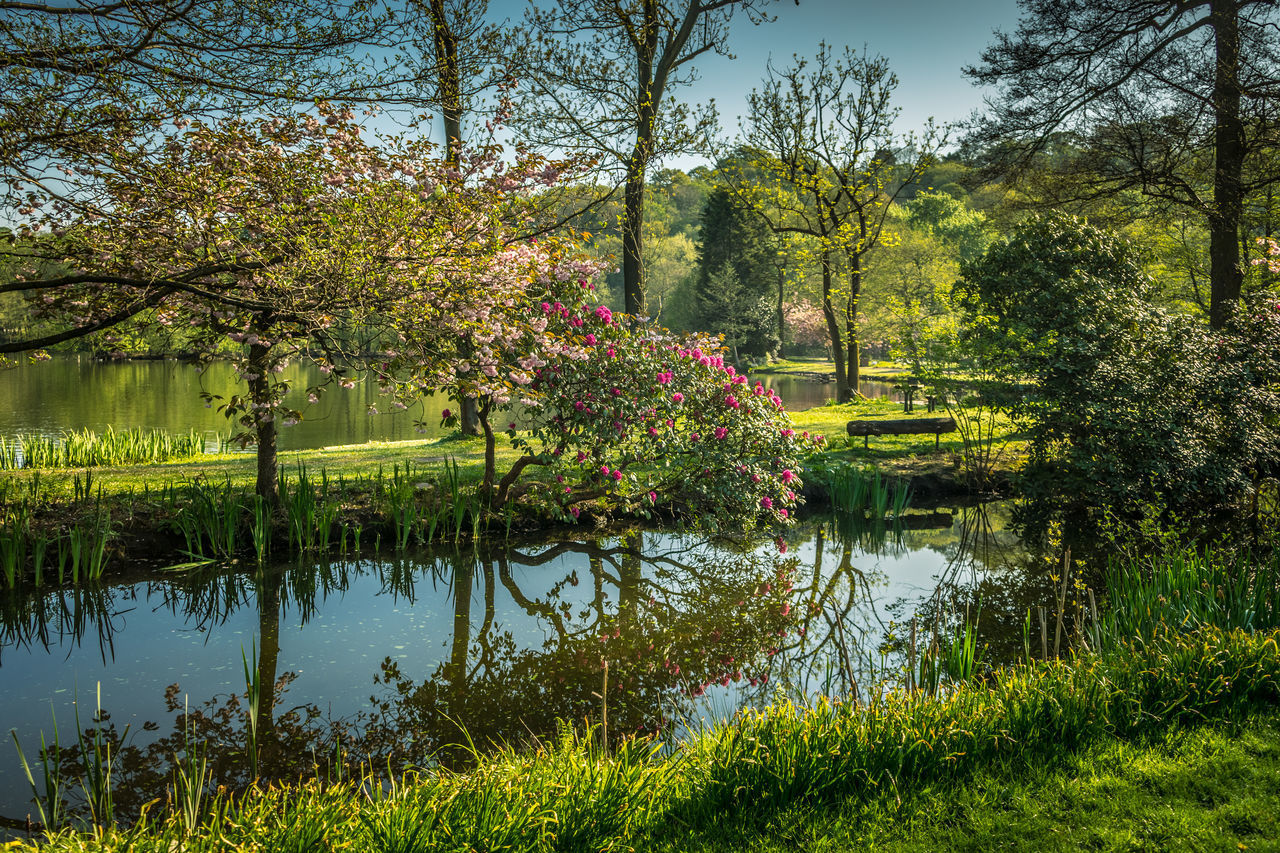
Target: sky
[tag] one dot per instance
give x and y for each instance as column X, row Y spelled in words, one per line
column 927, row 42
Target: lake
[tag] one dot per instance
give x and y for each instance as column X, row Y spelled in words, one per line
column 394, row 654
column 78, row 392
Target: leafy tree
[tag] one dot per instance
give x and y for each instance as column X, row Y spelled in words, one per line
column 79, row 78
column 735, row 276
column 1169, row 99
column 1127, row 404
column 288, row 238
column 599, row 75
column 831, row 166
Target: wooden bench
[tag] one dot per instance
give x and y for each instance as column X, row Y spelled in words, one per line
column 902, row 426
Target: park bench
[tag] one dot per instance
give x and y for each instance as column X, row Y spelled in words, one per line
column 902, row 426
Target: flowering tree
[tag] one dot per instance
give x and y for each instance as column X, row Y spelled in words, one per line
column 630, row 417
column 806, row 325
column 291, row 237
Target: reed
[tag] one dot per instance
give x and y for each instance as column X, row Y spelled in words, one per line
column 1188, row 588
column 86, row 448
column 864, row 491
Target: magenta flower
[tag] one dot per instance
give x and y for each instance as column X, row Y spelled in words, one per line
column 759, row 391
column 766, row 502
column 787, row 476
column 721, row 432
column 604, row 469
column 783, row 513
column 617, row 475
column 611, row 352
column 677, row 397
column 579, row 405
column 590, row 339
column 446, row 413
column 731, row 401
column 653, row 497
column 581, row 456
column 574, row 511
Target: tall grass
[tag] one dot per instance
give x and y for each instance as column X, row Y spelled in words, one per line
column 1188, row 588
column 572, row 794
column 863, row 490
column 86, row 448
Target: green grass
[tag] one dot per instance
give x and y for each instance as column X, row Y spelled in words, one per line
column 1199, row 789
column 901, row 770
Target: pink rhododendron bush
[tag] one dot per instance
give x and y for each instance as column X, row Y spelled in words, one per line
column 624, row 417
column 648, row 419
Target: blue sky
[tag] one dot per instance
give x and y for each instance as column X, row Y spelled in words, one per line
column 927, row 42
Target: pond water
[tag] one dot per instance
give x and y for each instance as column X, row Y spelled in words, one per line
column 391, row 655
column 77, row 392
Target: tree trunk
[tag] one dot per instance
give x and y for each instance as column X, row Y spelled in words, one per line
column 648, row 94
column 1225, row 274
column 449, row 94
column 632, row 230
column 843, row 394
column 264, row 424
column 490, row 451
column 851, row 322
column 782, row 328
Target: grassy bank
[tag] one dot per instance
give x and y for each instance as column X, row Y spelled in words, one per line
column 837, row 769
column 1208, row 787
column 72, row 523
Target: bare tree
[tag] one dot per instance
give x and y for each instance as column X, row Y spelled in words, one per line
column 1173, row 99
column 598, row 74
column 828, row 165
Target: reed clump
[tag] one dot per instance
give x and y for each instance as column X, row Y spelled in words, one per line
column 86, row 448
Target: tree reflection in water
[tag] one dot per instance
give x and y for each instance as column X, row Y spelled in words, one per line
column 684, row 628
column 669, row 620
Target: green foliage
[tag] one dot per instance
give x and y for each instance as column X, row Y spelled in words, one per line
column 736, row 277
column 85, row 448
column 1127, row 404
column 647, row 419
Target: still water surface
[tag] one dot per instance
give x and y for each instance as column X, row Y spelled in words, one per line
column 77, row 392
column 392, row 654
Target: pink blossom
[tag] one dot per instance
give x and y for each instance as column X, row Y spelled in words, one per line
column 759, row 391
column 664, row 378
column 783, row 513
column 579, row 405
column 653, row 497
column 574, row 511
column 677, row 397
column 787, row 476
column 604, row 469
column 766, row 502
column 591, row 340
column 617, row 475
column 721, row 432
column 581, row 456
column 611, row 352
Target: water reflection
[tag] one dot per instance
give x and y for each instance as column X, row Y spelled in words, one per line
column 391, row 660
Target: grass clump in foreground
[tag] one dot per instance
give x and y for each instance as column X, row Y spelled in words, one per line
column 875, row 758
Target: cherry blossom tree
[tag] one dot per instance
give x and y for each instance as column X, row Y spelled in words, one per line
column 289, row 237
